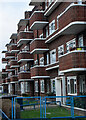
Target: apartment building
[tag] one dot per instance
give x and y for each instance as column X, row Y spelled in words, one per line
column 47, row 55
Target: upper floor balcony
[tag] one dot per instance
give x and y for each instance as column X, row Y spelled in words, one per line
column 8, row 69
column 4, row 71
column 14, row 64
column 24, row 37
column 24, row 76
column 39, row 72
column 73, row 61
column 38, row 46
column 4, row 60
column 37, row 20
column 9, row 55
column 74, row 19
column 14, row 48
column 25, row 56
column 13, row 78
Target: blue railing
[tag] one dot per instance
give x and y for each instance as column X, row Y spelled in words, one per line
column 3, row 115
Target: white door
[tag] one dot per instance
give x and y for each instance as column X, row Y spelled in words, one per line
column 58, row 89
column 22, row 87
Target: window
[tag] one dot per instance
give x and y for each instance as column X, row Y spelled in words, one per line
column 42, row 86
column 45, row 4
column 41, row 36
column 53, row 89
column 57, row 23
column 82, row 86
column 53, row 56
column 71, row 45
column 49, row 2
column 71, row 85
column 60, row 50
column 42, row 61
column 22, row 68
column 36, row 62
column 36, row 86
column 47, row 58
column 27, row 86
column 47, row 86
column 52, row 27
column 80, row 41
column 46, row 32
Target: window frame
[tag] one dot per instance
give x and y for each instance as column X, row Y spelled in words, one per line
column 51, row 56
column 36, row 86
column 42, row 87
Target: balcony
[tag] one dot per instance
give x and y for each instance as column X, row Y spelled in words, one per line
column 9, row 55
column 39, row 72
column 37, row 20
column 24, row 76
column 4, row 71
column 13, row 64
column 4, row 60
column 73, row 61
column 13, row 48
column 8, row 69
column 38, row 46
column 13, row 78
column 25, row 57
column 74, row 19
column 24, row 37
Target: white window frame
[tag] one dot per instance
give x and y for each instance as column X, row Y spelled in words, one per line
column 47, row 58
column 60, row 50
column 41, row 36
column 36, row 62
column 42, row 61
column 52, row 56
column 46, row 31
column 52, row 27
column 53, row 88
column 82, row 87
column 42, row 86
column 36, row 86
column 48, row 86
column 80, row 41
column 69, row 43
column 69, row 85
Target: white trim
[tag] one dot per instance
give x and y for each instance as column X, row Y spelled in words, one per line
column 10, row 69
column 13, row 60
column 24, row 72
column 36, row 12
column 37, row 39
column 10, row 57
column 39, row 49
column 22, row 52
column 14, row 66
column 25, row 32
column 58, row 33
column 21, row 60
column 4, row 72
column 12, row 44
column 50, row 68
column 37, row 22
column 24, row 80
column 52, row 63
column 73, row 69
column 72, row 52
column 34, row 77
column 24, row 40
column 14, row 82
column 38, row 66
column 13, row 51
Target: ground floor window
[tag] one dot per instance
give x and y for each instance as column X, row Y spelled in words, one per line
column 53, row 89
column 27, row 86
column 42, row 86
column 36, row 86
column 71, row 85
column 82, row 86
column 47, row 86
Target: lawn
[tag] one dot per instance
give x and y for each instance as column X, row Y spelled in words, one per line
column 55, row 111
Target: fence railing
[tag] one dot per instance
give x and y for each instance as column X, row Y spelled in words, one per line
column 50, row 107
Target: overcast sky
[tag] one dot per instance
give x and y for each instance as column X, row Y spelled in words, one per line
column 11, row 11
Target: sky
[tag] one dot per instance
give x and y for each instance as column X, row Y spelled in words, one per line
column 11, row 11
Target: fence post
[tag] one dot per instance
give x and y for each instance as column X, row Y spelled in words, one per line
column 72, row 107
column 40, row 108
column 12, row 108
column 45, row 107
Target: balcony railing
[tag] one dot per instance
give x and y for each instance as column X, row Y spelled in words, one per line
column 14, row 64
column 9, row 55
column 13, row 49
column 25, row 56
column 74, row 60
column 24, row 37
column 13, row 78
column 4, row 60
column 39, row 72
column 38, row 46
column 37, row 20
column 24, row 76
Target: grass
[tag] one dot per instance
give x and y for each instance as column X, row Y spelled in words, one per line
column 50, row 112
